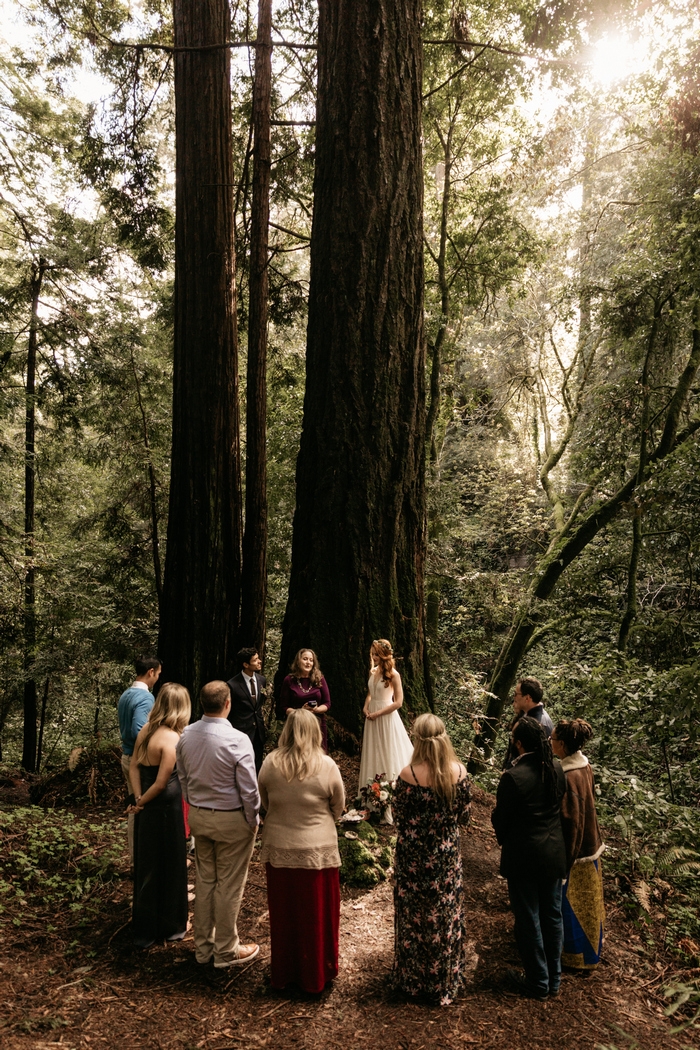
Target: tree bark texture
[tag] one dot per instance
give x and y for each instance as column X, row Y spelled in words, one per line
column 29, row 737
column 201, row 589
column 359, row 534
column 254, row 578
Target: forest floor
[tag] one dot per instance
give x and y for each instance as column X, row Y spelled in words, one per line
column 75, row 985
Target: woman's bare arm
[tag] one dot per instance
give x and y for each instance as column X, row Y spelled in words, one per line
column 167, row 759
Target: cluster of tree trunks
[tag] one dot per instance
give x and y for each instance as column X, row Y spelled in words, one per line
column 359, row 527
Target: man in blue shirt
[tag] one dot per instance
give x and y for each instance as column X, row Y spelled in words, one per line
column 135, row 705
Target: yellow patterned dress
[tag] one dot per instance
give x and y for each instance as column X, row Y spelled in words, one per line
column 583, row 908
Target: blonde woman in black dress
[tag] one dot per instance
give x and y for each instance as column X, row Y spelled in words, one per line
column 160, row 861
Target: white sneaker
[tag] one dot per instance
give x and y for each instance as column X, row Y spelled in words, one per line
column 246, row 952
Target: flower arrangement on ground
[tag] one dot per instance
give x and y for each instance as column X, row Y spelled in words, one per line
column 376, row 796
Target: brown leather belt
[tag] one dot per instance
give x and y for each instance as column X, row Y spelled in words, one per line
column 213, row 809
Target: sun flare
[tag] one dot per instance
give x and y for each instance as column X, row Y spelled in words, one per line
column 614, row 56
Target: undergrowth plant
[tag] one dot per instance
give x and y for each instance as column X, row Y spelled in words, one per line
column 53, row 859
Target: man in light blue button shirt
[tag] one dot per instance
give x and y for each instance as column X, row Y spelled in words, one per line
column 216, row 767
column 135, row 705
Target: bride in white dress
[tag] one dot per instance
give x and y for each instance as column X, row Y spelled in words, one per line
column 386, row 746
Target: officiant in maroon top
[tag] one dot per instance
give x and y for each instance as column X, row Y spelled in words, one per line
column 305, row 687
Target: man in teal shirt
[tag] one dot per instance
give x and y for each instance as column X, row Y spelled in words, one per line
column 135, row 705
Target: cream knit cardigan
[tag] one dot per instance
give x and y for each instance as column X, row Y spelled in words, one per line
column 299, row 829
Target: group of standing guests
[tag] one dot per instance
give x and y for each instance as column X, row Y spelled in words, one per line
column 546, row 824
column 544, row 820
column 217, row 770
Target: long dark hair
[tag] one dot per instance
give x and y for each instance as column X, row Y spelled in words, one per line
column 534, row 739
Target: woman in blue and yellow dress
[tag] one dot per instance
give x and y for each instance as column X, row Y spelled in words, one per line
column 582, row 903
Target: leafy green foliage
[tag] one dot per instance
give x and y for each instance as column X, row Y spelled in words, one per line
column 55, row 859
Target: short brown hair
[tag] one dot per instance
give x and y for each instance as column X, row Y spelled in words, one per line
column 213, row 697
column 533, row 688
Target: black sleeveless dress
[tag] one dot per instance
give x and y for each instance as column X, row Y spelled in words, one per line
column 160, row 865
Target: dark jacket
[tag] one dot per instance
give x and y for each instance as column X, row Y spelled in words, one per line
column 527, row 824
column 244, row 715
column 540, row 715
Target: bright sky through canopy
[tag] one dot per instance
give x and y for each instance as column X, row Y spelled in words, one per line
column 614, row 57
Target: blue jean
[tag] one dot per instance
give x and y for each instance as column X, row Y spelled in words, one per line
column 539, row 930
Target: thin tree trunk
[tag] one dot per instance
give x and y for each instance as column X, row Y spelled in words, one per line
column 98, row 707
column 254, row 575
column 29, row 739
column 153, row 503
column 358, row 548
column 201, row 589
column 631, row 603
column 42, row 724
column 444, row 286
column 630, row 613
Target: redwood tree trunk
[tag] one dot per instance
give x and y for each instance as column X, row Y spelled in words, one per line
column 254, row 580
column 199, row 620
column 359, row 527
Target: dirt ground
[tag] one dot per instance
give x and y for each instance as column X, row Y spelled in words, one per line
column 87, row 987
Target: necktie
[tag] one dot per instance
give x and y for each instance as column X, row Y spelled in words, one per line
column 252, row 688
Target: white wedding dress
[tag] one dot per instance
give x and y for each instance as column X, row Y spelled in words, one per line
column 386, row 746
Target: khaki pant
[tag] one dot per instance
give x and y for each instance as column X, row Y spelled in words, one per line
column 223, row 847
column 126, row 763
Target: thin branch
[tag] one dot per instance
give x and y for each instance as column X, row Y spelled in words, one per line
column 292, row 233
column 468, row 44
column 621, row 204
column 452, row 76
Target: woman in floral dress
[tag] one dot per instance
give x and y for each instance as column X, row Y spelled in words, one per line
column 432, row 798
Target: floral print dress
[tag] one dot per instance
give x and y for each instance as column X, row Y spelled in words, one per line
column 429, row 926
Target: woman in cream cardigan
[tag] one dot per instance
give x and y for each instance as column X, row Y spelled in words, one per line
column 582, row 901
column 302, row 790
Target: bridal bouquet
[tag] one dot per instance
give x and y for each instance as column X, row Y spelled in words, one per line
column 376, row 796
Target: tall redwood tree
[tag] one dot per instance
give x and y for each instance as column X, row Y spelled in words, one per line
column 254, row 579
column 359, row 526
column 199, row 615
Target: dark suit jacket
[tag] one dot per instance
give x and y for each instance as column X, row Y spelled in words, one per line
column 243, row 715
column 528, row 823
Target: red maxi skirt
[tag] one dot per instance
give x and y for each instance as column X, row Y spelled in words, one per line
column 304, row 906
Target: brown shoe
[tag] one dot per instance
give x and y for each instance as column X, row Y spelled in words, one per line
column 246, row 952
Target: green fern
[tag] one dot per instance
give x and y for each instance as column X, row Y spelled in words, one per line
column 678, row 861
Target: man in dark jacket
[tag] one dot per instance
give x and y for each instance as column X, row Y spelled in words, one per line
column 247, row 697
column 527, row 822
column 527, row 703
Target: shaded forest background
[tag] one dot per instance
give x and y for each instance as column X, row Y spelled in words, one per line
column 562, row 322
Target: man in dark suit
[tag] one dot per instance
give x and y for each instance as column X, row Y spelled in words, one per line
column 247, row 696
